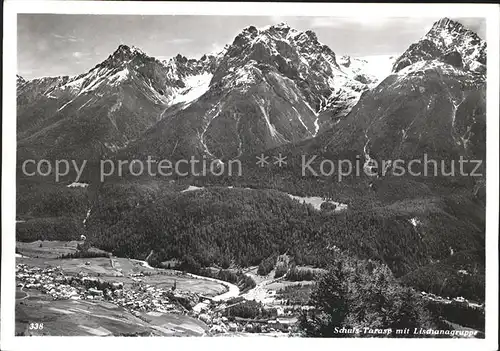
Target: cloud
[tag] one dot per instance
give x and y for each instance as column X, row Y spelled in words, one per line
column 26, row 73
column 366, row 21
column 178, row 41
column 79, row 56
column 319, row 22
column 278, row 19
column 42, row 45
column 69, row 38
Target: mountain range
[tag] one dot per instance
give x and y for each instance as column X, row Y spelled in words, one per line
column 270, row 86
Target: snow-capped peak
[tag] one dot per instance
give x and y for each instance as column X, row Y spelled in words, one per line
column 444, row 37
column 124, row 54
column 448, row 24
column 130, row 50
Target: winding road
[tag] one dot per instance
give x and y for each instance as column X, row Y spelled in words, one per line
column 232, row 292
column 258, row 293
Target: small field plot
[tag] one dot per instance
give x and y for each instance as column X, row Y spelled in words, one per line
column 72, row 266
column 185, row 283
column 46, row 249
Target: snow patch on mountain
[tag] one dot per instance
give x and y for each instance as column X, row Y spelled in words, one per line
column 196, row 86
column 448, row 34
column 303, row 124
column 270, row 126
column 119, row 76
column 422, row 67
column 243, row 77
column 66, row 104
column 370, row 70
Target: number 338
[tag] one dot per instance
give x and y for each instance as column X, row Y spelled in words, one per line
column 36, row 326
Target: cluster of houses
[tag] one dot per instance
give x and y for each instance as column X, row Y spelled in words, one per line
column 447, row 300
column 211, row 313
column 142, row 297
column 281, row 325
column 54, row 282
column 48, row 280
column 146, row 298
column 220, row 324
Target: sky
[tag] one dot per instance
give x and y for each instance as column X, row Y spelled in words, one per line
column 63, row 44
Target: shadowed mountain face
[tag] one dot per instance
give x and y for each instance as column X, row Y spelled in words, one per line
column 272, row 86
column 435, row 105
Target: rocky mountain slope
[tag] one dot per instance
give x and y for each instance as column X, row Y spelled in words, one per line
column 428, row 109
column 443, row 113
column 104, row 109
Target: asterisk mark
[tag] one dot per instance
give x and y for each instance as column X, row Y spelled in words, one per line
column 280, row 160
column 262, row 160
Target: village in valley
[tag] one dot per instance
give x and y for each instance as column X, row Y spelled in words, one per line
column 150, row 294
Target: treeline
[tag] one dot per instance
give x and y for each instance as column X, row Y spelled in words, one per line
column 283, row 264
column 84, row 254
column 250, row 310
column 50, row 228
column 301, row 274
column 36, row 199
column 95, row 283
column 220, row 226
column 266, row 266
column 353, row 190
column 84, row 250
column 459, row 313
column 243, row 281
column 288, row 267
